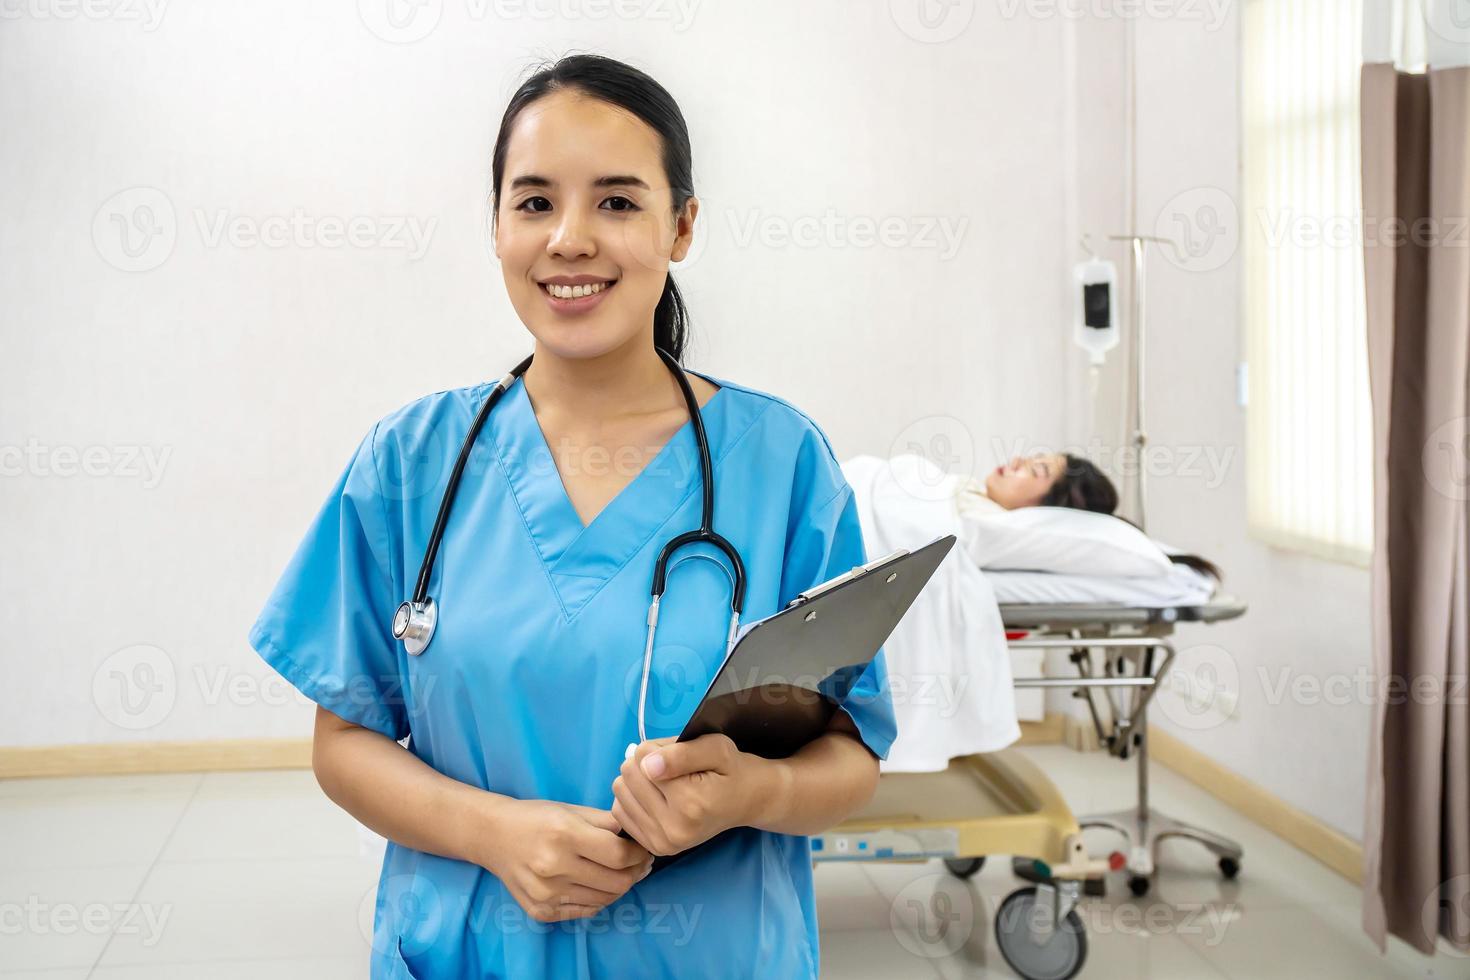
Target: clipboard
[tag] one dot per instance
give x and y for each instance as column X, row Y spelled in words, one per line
column 782, row 681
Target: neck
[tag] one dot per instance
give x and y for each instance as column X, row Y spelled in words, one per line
column 628, row 380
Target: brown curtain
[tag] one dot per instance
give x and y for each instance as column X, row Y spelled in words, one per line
column 1416, row 199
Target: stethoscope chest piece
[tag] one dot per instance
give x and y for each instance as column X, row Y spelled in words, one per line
column 414, row 624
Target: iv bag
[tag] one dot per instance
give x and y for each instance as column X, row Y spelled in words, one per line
column 1096, row 325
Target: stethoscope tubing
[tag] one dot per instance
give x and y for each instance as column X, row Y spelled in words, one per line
column 415, row 620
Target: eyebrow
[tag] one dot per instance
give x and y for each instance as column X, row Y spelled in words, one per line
column 616, row 180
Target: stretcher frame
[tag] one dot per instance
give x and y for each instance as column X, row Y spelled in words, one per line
column 1135, row 643
column 1000, row 803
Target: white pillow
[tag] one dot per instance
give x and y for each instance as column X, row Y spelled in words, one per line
column 1063, row 540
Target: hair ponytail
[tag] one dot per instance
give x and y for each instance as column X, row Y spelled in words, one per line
column 671, row 321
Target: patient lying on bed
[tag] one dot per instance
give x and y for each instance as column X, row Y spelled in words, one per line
column 1042, row 531
column 1073, row 482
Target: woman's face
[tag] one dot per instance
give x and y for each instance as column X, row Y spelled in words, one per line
column 1024, row 481
column 583, row 202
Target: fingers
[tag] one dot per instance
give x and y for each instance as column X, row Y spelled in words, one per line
column 601, row 819
column 560, row 913
column 606, row 881
column 645, row 804
column 571, row 890
column 604, row 847
column 708, row 753
column 643, row 826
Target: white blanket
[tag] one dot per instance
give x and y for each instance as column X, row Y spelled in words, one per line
column 948, row 668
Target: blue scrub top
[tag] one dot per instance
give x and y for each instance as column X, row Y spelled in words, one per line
column 530, row 687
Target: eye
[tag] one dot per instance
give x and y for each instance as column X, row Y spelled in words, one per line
column 630, row 205
column 522, row 205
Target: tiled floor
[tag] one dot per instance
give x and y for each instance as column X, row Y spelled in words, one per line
column 236, row 875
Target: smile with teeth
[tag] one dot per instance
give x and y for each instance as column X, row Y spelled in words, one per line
column 576, row 292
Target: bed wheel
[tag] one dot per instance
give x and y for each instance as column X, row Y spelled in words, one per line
column 964, row 867
column 1058, row 957
column 1138, row 885
column 1229, row 867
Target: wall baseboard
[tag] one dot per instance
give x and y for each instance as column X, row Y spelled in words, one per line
column 1048, row 731
column 1303, row 831
column 133, row 758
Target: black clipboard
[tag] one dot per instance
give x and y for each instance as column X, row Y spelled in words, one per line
column 782, row 681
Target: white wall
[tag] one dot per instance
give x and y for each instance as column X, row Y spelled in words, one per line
column 250, row 372
column 1296, row 660
column 242, row 375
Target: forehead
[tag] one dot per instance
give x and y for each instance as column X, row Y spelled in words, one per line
column 569, row 136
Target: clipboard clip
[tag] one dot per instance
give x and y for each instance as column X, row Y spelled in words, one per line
column 857, row 571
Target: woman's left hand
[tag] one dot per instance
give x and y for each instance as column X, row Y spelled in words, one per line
column 671, row 796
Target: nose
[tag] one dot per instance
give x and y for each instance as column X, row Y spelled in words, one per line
column 571, row 237
column 1016, row 462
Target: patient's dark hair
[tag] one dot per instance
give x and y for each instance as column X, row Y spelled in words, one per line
column 1082, row 486
column 627, row 88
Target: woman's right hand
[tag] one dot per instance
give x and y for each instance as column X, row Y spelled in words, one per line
column 559, row 860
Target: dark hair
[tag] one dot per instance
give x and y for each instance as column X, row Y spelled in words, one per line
column 1082, row 486
column 1202, row 565
column 627, row 88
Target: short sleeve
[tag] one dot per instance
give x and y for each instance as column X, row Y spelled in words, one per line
column 326, row 627
column 826, row 542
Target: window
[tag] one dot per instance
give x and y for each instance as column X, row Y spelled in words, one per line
column 1309, row 429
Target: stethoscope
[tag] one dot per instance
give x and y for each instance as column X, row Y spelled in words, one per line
column 415, row 619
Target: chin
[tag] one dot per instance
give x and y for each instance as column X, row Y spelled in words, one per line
column 580, row 341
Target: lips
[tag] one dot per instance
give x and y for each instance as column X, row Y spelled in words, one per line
column 575, row 304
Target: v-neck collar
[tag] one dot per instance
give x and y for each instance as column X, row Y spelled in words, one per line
column 580, row 560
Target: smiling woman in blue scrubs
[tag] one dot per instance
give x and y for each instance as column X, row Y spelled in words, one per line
column 503, row 811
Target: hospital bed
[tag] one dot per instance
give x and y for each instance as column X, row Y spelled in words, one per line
column 953, row 791
column 1000, row 804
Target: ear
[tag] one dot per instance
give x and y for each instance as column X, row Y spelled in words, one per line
column 684, row 230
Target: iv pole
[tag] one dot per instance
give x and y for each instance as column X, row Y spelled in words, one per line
column 1138, row 438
